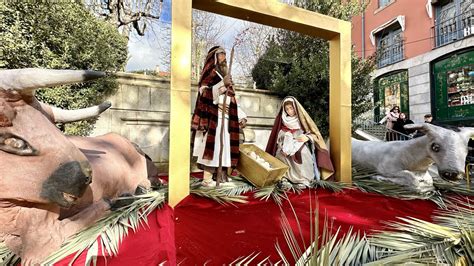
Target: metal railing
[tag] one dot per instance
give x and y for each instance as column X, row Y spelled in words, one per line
column 390, row 54
column 379, row 130
column 453, row 29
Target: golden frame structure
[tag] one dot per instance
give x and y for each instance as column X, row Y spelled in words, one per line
column 271, row 13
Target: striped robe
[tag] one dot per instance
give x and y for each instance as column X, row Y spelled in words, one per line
column 206, row 116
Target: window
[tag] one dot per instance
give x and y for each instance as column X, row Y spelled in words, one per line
column 454, row 21
column 390, row 46
column 453, row 88
column 460, row 86
column 383, row 3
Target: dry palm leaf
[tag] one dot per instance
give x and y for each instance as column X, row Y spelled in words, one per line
column 222, row 194
column 330, row 185
column 362, row 180
column 112, row 229
column 7, row 257
column 410, row 240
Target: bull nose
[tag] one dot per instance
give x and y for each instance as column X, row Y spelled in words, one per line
column 450, row 175
column 67, row 183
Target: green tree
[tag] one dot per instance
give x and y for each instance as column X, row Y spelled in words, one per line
column 298, row 65
column 62, row 35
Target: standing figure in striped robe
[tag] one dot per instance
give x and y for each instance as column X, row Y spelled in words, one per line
column 215, row 86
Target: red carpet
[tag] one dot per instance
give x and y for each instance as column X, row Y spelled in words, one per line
column 150, row 245
column 205, row 231
column 209, row 232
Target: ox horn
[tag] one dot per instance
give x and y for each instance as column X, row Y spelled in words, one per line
column 29, row 79
column 67, row 116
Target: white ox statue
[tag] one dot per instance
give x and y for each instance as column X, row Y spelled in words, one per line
column 407, row 162
column 51, row 185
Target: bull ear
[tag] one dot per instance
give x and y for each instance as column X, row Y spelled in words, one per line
column 425, row 128
column 467, row 132
column 29, row 79
column 5, row 121
column 421, row 127
column 7, row 113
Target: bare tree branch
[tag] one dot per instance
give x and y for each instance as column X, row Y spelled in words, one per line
column 254, row 38
column 208, row 30
column 128, row 13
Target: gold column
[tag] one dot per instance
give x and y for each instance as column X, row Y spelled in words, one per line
column 340, row 102
column 180, row 97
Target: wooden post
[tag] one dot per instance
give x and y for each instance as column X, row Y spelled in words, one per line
column 180, row 98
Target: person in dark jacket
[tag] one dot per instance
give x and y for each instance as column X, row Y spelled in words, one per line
column 398, row 126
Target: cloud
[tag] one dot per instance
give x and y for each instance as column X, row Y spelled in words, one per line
column 142, row 56
column 147, row 52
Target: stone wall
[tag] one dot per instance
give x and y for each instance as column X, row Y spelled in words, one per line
column 141, row 110
column 419, row 94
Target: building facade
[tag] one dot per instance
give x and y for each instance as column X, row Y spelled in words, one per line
column 424, row 52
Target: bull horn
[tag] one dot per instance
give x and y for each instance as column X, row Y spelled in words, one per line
column 67, row 116
column 29, row 79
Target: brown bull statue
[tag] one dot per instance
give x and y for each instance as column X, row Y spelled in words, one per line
column 51, row 185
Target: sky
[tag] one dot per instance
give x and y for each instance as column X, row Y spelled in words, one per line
column 147, row 52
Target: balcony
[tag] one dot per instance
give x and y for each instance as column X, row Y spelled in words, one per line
column 387, row 55
column 453, row 29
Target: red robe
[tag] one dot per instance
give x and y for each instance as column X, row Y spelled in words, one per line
column 206, row 113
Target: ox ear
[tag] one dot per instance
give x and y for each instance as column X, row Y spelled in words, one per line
column 5, row 121
column 421, row 127
column 425, row 128
column 7, row 113
column 28, row 79
column 467, row 132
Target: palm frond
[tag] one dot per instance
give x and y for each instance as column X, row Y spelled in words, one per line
column 351, row 249
column 361, row 179
column 219, row 196
column 359, row 171
column 277, row 192
column 398, row 258
column 293, row 241
column 251, row 259
column 222, row 194
column 449, row 241
column 7, row 257
column 464, row 208
column 330, row 185
column 462, row 188
column 112, row 229
column 396, row 191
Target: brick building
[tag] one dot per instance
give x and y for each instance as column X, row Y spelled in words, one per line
column 425, row 56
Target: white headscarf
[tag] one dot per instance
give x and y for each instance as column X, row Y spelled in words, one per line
column 290, row 122
column 219, row 50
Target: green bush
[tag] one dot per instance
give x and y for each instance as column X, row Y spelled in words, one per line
column 62, row 35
